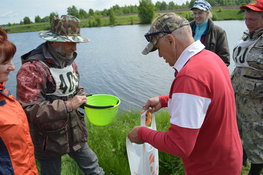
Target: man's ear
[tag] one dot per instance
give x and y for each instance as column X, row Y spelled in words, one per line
column 170, row 38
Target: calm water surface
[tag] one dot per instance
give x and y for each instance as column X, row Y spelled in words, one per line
column 112, row 62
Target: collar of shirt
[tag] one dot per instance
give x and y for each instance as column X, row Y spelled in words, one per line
column 188, row 52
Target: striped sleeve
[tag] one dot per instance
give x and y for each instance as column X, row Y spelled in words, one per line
column 189, row 102
column 187, row 110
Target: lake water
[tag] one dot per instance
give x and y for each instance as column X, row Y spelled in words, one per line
column 112, row 62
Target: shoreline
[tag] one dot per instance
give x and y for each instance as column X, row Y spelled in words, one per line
column 219, row 14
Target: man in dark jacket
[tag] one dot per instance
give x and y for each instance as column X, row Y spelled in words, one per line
column 48, row 88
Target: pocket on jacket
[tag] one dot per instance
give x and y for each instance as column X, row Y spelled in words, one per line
column 56, row 141
column 79, row 129
column 249, row 86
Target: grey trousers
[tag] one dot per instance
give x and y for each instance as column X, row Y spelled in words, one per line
column 85, row 158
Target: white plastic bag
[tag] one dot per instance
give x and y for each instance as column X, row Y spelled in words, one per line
column 143, row 158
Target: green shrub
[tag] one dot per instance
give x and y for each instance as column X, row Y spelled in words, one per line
column 220, row 9
column 214, row 18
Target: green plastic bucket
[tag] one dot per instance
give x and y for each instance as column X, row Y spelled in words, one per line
column 101, row 109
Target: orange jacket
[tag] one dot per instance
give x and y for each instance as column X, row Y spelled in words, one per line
column 16, row 144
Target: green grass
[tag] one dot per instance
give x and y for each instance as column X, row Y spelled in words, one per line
column 229, row 14
column 109, row 143
column 27, row 27
column 245, row 170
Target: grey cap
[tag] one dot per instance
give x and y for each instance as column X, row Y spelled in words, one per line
column 164, row 23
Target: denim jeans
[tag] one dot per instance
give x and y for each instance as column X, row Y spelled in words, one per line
column 85, row 158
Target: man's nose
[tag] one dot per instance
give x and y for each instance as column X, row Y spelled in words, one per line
column 159, row 53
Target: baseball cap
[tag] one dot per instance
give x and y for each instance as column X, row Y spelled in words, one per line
column 201, row 5
column 163, row 24
column 255, row 5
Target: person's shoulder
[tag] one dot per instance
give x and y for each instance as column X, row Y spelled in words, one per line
column 207, row 61
column 218, row 31
column 33, row 63
column 32, row 67
column 206, row 54
column 204, row 57
column 218, row 28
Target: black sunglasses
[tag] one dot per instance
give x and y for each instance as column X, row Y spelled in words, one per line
column 149, row 35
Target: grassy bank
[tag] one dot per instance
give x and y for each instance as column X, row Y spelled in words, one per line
column 108, row 142
column 218, row 14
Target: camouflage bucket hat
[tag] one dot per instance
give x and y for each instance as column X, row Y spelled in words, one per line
column 164, row 24
column 64, row 29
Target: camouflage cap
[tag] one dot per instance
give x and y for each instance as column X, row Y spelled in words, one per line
column 201, row 5
column 163, row 24
column 64, row 29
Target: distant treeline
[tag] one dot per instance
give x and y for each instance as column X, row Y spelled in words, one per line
column 117, row 10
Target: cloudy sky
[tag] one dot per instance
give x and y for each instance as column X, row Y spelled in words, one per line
column 14, row 11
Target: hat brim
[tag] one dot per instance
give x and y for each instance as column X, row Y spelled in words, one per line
column 149, row 48
column 199, row 8
column 251, row 7
column 49, row 36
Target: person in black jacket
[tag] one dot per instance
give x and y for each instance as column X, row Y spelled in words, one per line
column 212, row 36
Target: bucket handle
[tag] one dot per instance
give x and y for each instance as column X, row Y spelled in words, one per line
column 97, row 107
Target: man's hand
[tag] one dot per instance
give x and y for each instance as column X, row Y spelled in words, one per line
column 133, row 135
column 77, row 101
column 152, row 105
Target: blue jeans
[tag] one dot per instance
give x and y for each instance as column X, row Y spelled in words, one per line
column 85, row 158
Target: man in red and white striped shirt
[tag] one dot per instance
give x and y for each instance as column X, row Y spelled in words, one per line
column 201, row 103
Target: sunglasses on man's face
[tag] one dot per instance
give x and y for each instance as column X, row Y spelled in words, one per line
column 149, row 36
